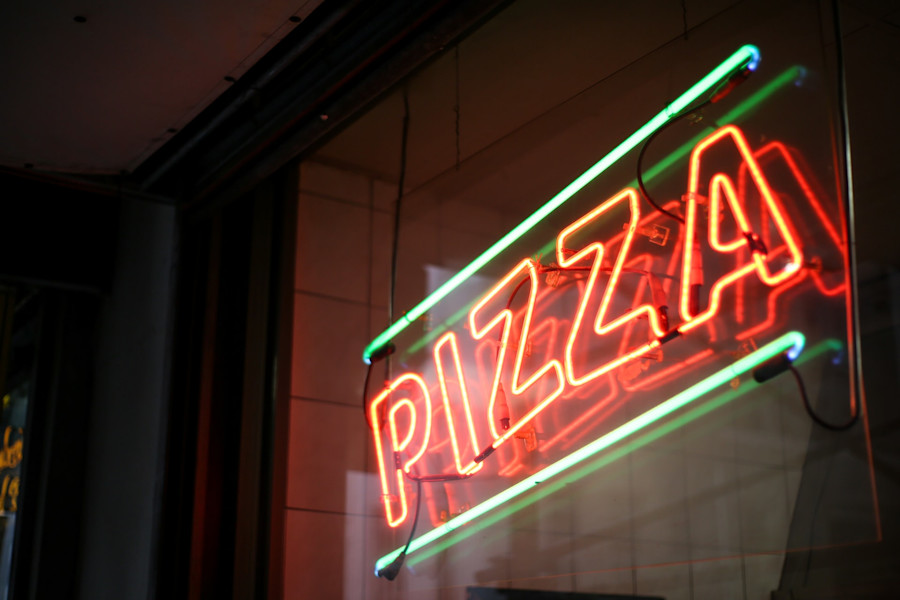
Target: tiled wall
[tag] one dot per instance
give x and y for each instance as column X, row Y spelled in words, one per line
column 331, row 512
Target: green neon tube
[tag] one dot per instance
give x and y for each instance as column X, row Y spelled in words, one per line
column 792, row 342
column 747, row 56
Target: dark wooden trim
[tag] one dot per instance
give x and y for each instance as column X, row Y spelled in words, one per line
column 196, row 277
column 256, row 358
column 204, row 399
column 280, row 408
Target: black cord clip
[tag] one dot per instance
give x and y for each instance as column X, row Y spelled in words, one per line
column 774, row 366
column 755, row 242
column 669, row 336
column 391, row 571
column 484, row 454
column 382, row 352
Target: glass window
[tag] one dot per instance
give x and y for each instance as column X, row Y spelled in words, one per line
column 593, row 387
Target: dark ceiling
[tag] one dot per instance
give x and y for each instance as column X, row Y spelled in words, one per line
column 170, row 102
column 97, row 87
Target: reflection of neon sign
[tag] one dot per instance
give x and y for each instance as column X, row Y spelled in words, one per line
column 603, row 341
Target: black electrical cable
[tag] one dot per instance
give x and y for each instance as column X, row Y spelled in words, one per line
column 854, row 415
column 391, row 571
column 365, row 395
column 846, row 191
column 723, row 89
column 456, row 102
column 640, row 160
column 438, row 478
column 401, row 181
column 388, row 349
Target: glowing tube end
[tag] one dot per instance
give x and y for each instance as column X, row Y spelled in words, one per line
column 383, row 562
column 381, row 346
column 391, row 570
column 755, row 56
column 370, row 356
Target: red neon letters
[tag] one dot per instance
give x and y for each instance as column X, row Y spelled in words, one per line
column 737, row 233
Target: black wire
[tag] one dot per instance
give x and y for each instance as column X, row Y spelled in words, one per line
column 391, row 571
column 404, row 136
column 365, row 396
column 846, row 184
column 846, row 190
column 401, row 180
column 412, row 532
column 640, row 160
column 438, row 478
column 456, row 104
column 854, row 416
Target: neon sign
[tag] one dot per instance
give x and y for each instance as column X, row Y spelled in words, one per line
column 558, row 347
column 407, row 425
